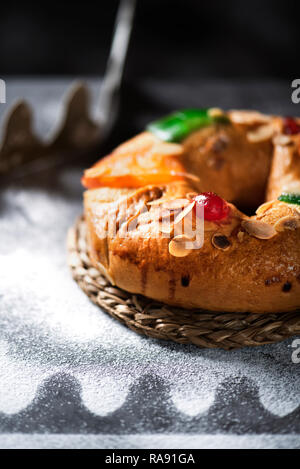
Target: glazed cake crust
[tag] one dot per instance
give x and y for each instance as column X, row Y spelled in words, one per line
column 247, row 263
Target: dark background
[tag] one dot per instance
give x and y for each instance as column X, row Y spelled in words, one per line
column 175, row 39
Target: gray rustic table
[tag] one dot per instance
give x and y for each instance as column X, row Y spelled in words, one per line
column 71, row 376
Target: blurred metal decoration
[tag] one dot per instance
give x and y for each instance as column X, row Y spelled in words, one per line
column 79, row 130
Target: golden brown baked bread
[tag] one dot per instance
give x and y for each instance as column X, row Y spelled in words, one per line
column 245, row 263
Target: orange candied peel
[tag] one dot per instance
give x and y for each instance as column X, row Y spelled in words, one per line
column 141, row 161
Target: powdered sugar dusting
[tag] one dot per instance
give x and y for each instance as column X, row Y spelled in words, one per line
column 48, row 325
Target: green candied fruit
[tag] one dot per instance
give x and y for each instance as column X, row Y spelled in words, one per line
column 290, row 198
column 175, row 127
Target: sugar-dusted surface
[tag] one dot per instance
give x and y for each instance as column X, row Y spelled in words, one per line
column 68, row 368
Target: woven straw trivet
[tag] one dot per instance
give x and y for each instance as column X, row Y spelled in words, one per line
column 145, row 316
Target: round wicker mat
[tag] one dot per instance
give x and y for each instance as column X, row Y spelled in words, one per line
column 145, row 316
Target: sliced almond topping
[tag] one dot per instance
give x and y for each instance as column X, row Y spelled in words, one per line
column 176, row 204
column 262, row 133
column 248, row 117
column 189, row 176
column 184, row 212
column 259, row 229
column 163, row 148
column 287, row 223
column 220, row 241
column 142, row 141
column 129, row 225
column 157, row 202
column 216, row 112
column 282, row 140
column 240, row 236
column 177, row 246
column 264, row 208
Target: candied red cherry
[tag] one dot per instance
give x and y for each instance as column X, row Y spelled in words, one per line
column 215, row 208
column 290, row 126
